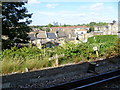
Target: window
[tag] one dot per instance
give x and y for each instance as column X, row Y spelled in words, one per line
column 81, row 32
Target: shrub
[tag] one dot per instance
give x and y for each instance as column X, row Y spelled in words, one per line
column 113, row 50
column 16, row 60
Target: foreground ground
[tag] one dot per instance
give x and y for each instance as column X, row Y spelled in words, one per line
column 63, row 74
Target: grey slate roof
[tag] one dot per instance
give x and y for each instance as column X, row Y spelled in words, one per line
column 32, row 36
column 41, row 35
column 61, row 34
column 51, row 35
column 71, row 32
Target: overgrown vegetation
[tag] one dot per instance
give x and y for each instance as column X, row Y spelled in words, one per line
column 16, row 60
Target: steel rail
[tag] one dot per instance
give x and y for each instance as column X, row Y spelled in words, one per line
column 94, row 83
column 88, row 82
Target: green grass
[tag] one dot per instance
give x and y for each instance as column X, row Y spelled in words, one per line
column 16, row 60
column 102, row 38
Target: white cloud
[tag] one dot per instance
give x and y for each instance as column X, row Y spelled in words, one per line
column 93, row 7
column 47, row 13
column 51, row 5
column 98, row 12
column 67, row 17
column 63, row 14
column 97, row 6
column 95, row 14
column 33, row 2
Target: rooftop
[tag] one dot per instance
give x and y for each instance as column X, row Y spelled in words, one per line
column 31, row 36
column 41, row 35
column 51, row 35
column 71, row 27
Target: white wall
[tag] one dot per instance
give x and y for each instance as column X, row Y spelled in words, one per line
column 80, row 32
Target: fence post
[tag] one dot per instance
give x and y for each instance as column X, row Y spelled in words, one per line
column 56, row 60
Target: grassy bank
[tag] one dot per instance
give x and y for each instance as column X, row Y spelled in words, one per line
column 16, row 60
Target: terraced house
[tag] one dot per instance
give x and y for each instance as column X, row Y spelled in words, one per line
column 110, row 29
column 69, row 28
column 57, row 35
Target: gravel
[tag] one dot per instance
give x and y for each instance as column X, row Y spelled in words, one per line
column 102, row 67
column 115, row 84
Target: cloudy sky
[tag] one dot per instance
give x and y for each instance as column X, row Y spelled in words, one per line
column 71, row 12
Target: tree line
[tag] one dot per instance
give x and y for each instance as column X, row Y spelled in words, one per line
column 91, row 25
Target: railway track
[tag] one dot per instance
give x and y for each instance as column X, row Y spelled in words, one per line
column 90, row 82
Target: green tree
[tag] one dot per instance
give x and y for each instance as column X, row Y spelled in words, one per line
column 47, row 30
column 12, row 27
column 92, row 23
column 64, row 25
column 78, row 25
column 91, row 29
column 49, row 25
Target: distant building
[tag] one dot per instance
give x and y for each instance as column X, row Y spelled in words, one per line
column 58, row 36
column 69, row 28
column 110, row 29
column 41, row 35
column 80, row 31
column 61, row 34
column 51, row 36
column 71, row 34
column 32, row 37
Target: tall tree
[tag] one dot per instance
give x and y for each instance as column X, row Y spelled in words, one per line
column 49, row 25
column 92, row 23
column 15, row 23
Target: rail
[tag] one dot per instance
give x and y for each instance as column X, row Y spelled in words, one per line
column 88, row 82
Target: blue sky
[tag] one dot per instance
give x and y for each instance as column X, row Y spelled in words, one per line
column 71, row 12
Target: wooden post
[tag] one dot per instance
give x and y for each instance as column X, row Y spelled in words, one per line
column 56, row 60
column 97, row 53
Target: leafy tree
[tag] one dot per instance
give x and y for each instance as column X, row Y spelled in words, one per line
column 64, row 25
column 78, row 25
column 47, row 30
column 49, row 25
column 12, row 27
column 91, row 29
column 40, row 28
column 92, row 23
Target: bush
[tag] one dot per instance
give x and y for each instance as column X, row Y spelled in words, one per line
column 16, row 60
column 103, row 42
column 113, row 50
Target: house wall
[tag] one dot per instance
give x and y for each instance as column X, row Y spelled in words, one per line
column 111, row 30
column 115, row 29
column 38, row 43
column 77, row 32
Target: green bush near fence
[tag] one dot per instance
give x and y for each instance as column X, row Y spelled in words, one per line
column 103, row 42
column 16, row 60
